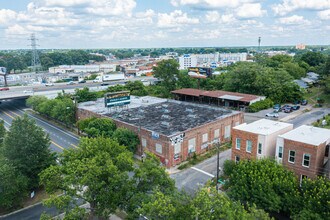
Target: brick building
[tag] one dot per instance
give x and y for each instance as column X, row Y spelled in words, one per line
column 257, row 139
column 172, row 130
column 305, row 150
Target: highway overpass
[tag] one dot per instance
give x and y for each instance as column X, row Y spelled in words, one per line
column 24, row 92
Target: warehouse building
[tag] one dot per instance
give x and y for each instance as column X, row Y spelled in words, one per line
column 172, row 130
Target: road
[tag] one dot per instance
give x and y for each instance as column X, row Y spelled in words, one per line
column 195, row 177
column 60, row 139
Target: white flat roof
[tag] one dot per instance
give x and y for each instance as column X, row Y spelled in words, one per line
column 308, row 134
column 263, row 127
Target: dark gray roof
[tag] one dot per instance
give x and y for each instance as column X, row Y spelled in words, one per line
column 171, row 117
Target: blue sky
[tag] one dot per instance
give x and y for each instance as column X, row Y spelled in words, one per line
column 163, row 23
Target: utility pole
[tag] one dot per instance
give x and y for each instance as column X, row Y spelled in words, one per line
column 218, row 149
column 35, row 62
column 259, row 42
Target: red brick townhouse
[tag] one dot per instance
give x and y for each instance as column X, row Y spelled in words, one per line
column 257, row 139
column 305, row 150
column 172, row 130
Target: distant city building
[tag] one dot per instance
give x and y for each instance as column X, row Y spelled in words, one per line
column 82, row 68
column 210, row 60
column 172, row 130
column 257, row 140
column 187, row 60
column 300, row 46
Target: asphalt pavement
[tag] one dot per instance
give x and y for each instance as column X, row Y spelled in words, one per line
column 60, row 139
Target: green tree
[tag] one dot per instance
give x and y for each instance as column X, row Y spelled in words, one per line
column 84, row 95
column 148, row 177
column 13, row 185
column 294, row 70
column 26, row 146
column 313, row 58
column 127, row 138
column 95, row 127
column 209, row 204
column 96, row 172
column 35, row 101
column 326, row 69
column 2, row 132
column 64, row 111
column 136, row 88
column 264, row 183
column 167, row 71
column 316, row 197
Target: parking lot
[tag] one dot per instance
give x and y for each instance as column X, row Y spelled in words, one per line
column 282, row 116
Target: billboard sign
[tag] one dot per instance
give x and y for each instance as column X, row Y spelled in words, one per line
column 201, row 71
column 117, row 99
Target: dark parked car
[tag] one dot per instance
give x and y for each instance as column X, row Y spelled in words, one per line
column 295, row 107
column 277, row 106
column 304, row 102
column 82, row 81
column 288, row 109
column 284, row 107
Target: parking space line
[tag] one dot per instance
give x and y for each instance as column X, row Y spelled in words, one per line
column 74, row 145
column 202, row 171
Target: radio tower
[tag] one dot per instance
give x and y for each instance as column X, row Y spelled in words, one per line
column 35, row 64
column 259, row 41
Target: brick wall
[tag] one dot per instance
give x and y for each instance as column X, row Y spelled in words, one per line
column 302, row 148
column 242, row 153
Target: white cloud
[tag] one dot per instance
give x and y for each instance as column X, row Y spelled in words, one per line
column 211, row 4
column 293, row 20
column 175, row 19
column 212, row 16
column 288, row 6
column 324, row 15
column 253, row 10
column 7, row 16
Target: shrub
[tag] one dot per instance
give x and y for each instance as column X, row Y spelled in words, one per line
column 260, row 105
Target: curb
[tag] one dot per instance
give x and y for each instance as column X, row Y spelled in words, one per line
column 20, row 210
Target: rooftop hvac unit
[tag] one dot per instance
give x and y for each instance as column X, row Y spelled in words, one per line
column 166, row 116
column 166, row 111
column 165, row 106
column 189, row 110
column 192, row 116
column 165, row 123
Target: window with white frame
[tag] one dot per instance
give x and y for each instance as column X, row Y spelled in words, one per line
column 205, row 138
column 227, row 131
column 238, row 143
column 306, row 160
column 192, row 145
column 292, row 155
column 216, row 133
column 159, row 148
column 177, row 148
column 248, row 146
column 144, row 142
column 280, row 152
column 259, row 148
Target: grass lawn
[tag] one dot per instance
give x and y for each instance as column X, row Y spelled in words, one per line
column 317, row 92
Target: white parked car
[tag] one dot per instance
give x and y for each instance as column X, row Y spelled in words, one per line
column 49, row 84
column 272, row 114
column 27, row 91
column 70, row 83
